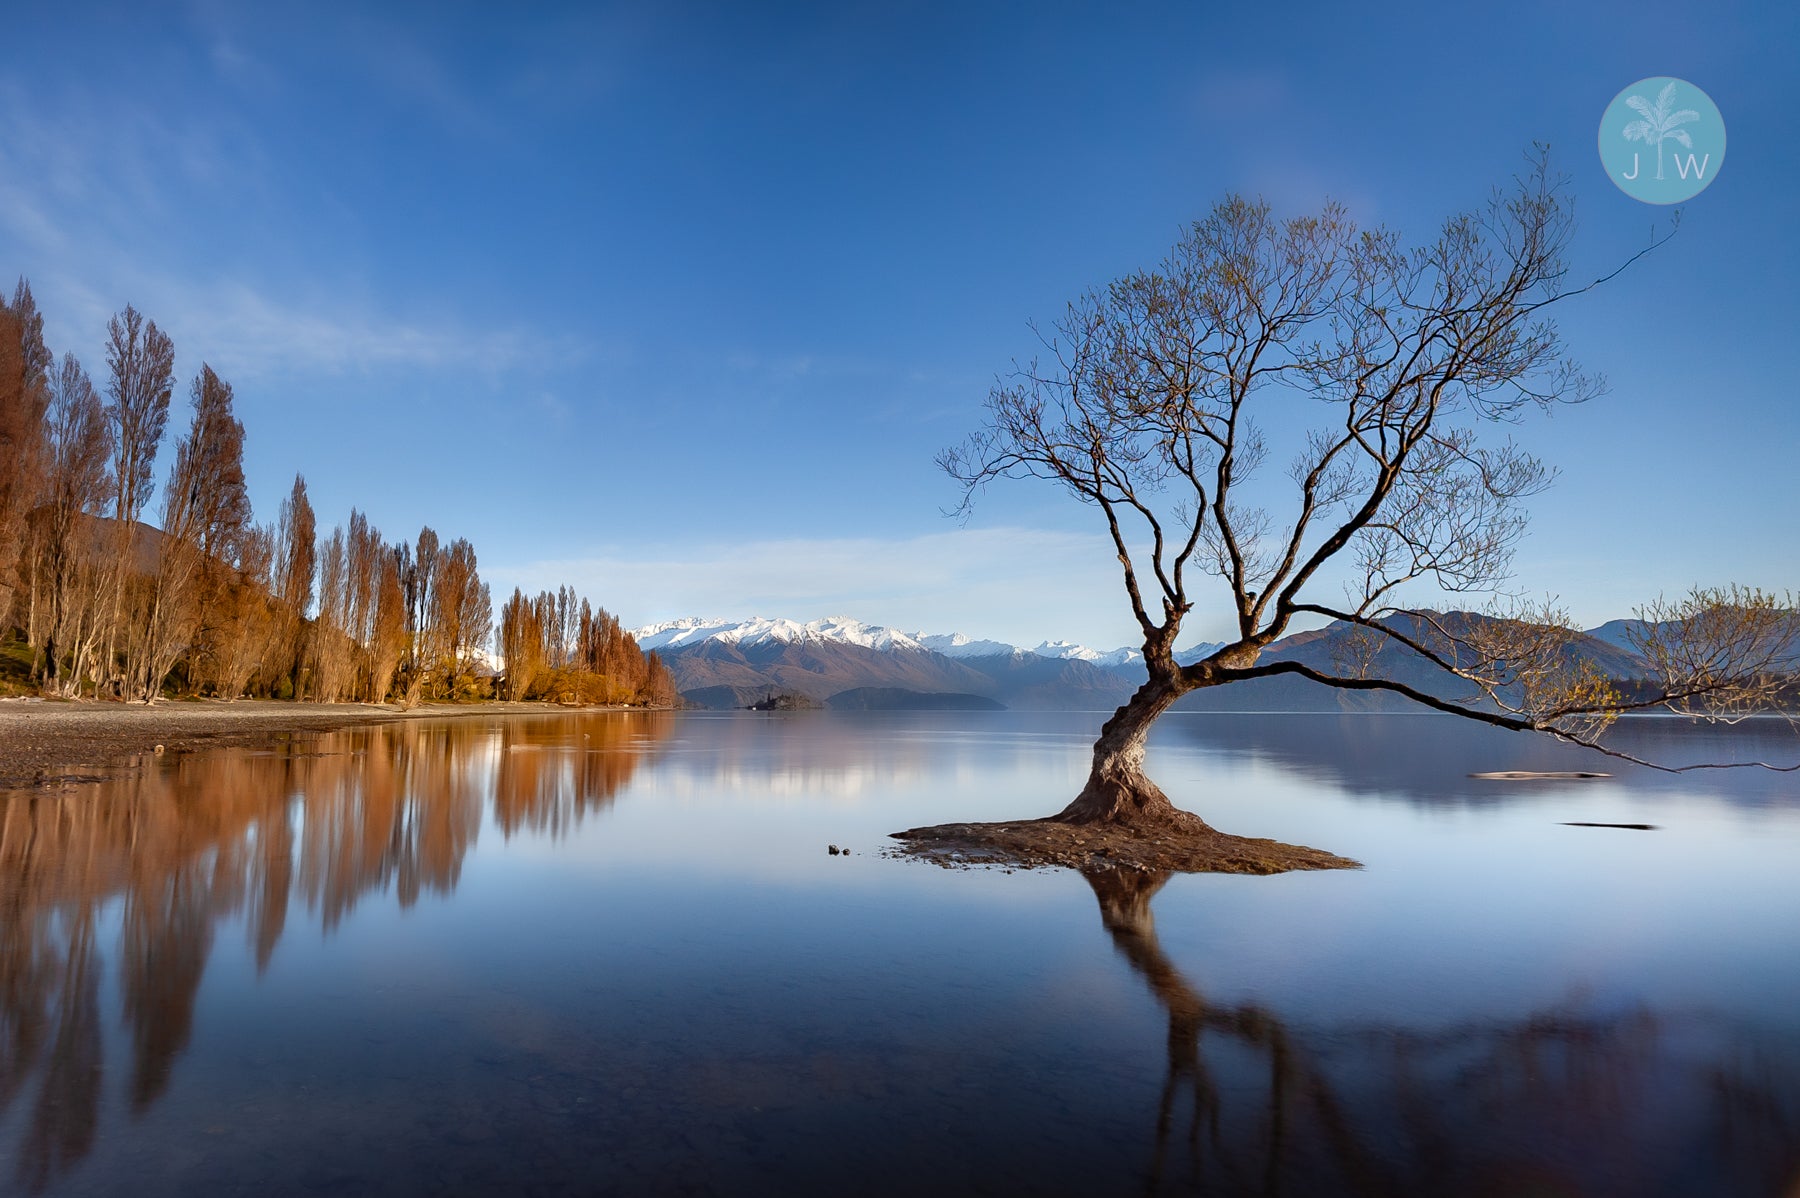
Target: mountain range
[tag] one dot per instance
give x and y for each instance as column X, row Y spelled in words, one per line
column 732, row 663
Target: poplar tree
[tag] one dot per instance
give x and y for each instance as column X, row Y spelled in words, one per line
column 140, row 361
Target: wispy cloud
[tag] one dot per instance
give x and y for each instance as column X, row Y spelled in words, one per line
column 94, row 206
column 251, row 334
column 255, row 334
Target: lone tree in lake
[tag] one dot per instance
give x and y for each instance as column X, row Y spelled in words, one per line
column 1392, row 371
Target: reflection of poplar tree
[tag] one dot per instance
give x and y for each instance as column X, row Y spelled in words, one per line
column 168, row 933
column 395, row 807
column 67, row 1112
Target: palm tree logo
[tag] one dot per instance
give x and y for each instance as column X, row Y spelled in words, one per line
column 1660, row 121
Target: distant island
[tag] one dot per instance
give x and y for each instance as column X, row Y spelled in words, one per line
column 787, row 701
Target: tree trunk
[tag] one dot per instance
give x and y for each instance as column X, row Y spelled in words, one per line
column 1118, row 791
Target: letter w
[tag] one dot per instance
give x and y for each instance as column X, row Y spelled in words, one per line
column 1682, row 168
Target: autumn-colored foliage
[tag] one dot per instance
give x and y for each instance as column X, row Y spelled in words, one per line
column 211, row 603
column 557, row 650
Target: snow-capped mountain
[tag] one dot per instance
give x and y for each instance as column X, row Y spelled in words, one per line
column 758, row 630
column 955, row 644
column 1196, row 651
column 731, row 662
column 1070, row 651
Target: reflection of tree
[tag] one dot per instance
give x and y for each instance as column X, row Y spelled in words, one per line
column 1558, row 1103
column 167, row 937
column 1124, row 897
column 401, row 818
column 207, row 838
column 68, row 1105
column 272, row 881
column 552, row 773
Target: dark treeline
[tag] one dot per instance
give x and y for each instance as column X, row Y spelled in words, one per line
column 208, row 602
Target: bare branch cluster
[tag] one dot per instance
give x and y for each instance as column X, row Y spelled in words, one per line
column 1147, row 404
column 1720, row 653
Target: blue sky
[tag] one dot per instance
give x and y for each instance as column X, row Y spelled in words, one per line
column 678, row 302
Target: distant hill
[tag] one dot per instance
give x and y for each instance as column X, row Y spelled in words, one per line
column 721, row 674
column 1626, row 634
column 731, row 664
column 719, row 663
column 1618, row 633
column 1026, row 681
column 889, row 698
column 816, row 668
column 102, row 534
column 1337, row 649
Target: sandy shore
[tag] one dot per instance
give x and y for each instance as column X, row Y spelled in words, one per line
column 44, row 743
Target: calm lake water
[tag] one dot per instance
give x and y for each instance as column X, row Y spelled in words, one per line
column 609, row 953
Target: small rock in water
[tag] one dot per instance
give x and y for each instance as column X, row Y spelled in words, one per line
column 832, row 849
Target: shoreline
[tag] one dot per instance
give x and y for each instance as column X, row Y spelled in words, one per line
column 46, row 743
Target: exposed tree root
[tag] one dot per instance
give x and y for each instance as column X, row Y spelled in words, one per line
column 1180, row 842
